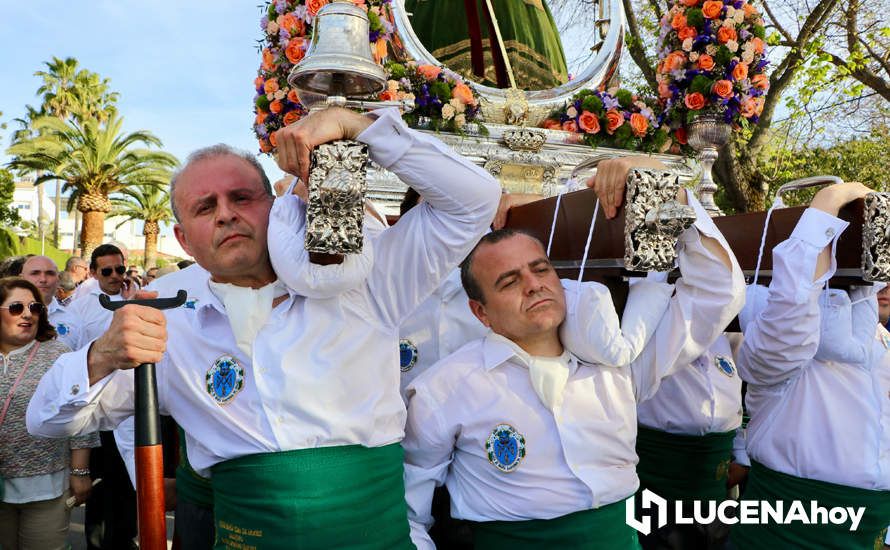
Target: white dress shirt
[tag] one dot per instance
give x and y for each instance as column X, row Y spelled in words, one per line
column 323, row 372
column 701, row 398
column 813, row 416
column 84, row 319
column 55, row 311
column 438, row 327
column 582, row 454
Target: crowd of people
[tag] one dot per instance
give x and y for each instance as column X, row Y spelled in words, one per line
column 524, row 413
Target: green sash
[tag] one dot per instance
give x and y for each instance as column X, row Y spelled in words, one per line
column 190, row 486
column 601, row 528
column 329, row 497
column 684, row 467
column 769, row 485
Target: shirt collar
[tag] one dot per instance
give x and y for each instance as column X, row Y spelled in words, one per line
column 497, row 350
column 21, row 350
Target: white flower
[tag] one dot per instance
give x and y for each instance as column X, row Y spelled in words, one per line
column 732, row 45
column 280, row 94
column 571, row 112
column 693, row 57
column 392, row 86
column 728, row 23
column 730, row 11
column 687, row 45
column 272, row 28
column 739, row 17
column 447, row 112
column 748, row 56
column 457, row 104
column 710, row 49
column 460, row 120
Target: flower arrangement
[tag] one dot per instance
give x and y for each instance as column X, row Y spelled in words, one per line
column 616, row 118
column 439, row 95
column 712, row 60
column 287, row 29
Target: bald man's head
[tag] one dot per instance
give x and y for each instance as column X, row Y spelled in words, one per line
column 44, row 273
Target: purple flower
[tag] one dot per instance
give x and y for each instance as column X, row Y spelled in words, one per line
column 284, row 35
column 280, row 6
column 609, row 102
column 678, row 74
column 744, row 35
column 261, row 131
column 264, row 22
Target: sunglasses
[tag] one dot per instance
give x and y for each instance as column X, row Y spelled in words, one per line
column 106, row 271
column 17, row 308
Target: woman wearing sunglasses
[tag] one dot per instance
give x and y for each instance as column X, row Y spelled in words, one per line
column 36, row 473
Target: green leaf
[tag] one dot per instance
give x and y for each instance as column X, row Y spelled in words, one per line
column 625, row 98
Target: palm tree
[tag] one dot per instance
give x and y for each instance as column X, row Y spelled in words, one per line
column 25, row 132
column 150, row 204
column 94, row 160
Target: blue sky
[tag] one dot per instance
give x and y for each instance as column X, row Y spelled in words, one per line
column 184, row 69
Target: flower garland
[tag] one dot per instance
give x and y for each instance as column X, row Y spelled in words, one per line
column 712, row 60
column 439, row 94
column 287, row 26
column 616, row 118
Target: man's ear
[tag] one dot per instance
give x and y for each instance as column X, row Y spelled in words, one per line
column 478, row 309
column 183, row 241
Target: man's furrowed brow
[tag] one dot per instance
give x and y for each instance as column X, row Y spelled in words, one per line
column 505, row 275
column 539, row 261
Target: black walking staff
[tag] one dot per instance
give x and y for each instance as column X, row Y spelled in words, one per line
column 149, row 456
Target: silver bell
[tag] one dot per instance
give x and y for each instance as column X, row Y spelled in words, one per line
column 339, row 61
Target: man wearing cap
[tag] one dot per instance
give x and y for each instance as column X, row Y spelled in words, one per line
column 535, row 444
column 818, row 373
column 298, row 420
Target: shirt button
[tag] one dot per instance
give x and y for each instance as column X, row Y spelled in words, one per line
column 829, row 232
column 75, row 389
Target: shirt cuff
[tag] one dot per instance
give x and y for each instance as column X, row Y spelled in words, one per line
column 703, row 222
column 818, row 228
column 388, row 137
column 75, row 379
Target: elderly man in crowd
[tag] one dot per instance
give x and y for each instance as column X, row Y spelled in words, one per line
column 300, row 417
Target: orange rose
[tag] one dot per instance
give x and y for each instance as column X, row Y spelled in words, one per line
column 464, row 94
column 760, row 81
column 686, row 32
column 639, row 124
column 758, row 44
column 690, row 3
column 273, row 139
column 260, row 117
column 750, row 10
column 614, row 120
column 740, row 72
column 589, row 122
column 257, row 82
column 294, row 50
column 293, row 97
column 291, row 24
column 759, row 102
column 712, row 9
column 276, row 106
column 429, row 72
column 748, row 108
column 314, row 5
column 291, row 117
column 678, row 21
column 694, row 101
column 268, row 60
column 680, row 135
column 265, row 146
column 271, row 86
column 674, row 61
column 705, row 62
column 551, row 124
column 570, row 126
column 722, row 88
column 725, row 34
column 664, row 91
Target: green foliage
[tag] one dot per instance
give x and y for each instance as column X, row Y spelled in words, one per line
column 441, row 90
column 397, row 71
column 702, row 85
column 593, row 104
column 9, row 243
column 145, row 203
column 8, row 215
column 695, row 18
column 723, row 56
column 759, row 31
column 625, row 98
column 30, row 245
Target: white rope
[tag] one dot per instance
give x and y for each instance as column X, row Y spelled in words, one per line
column 596, row 210
column 553, row 225
column 777, row 202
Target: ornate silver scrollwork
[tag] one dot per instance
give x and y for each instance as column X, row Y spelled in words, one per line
column 336, row 198
column 653, row 220
column 876, row 238
column 523, row 139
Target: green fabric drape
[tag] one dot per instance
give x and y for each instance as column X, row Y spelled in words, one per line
column 527, row 28
column 328, row 497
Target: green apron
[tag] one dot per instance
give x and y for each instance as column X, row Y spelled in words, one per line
column 527, row 28
column 770, row 485
column 323, row 498
column 190, row 486
column 684, row 467
column 602, row 528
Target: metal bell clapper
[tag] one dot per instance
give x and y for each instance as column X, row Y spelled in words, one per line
column 337, row 66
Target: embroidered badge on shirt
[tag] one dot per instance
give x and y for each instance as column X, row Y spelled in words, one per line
column 62, row 329
column 725, row 365
column 407, row 355
column 190, row 303
column 225, row 379
column 505, row 447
